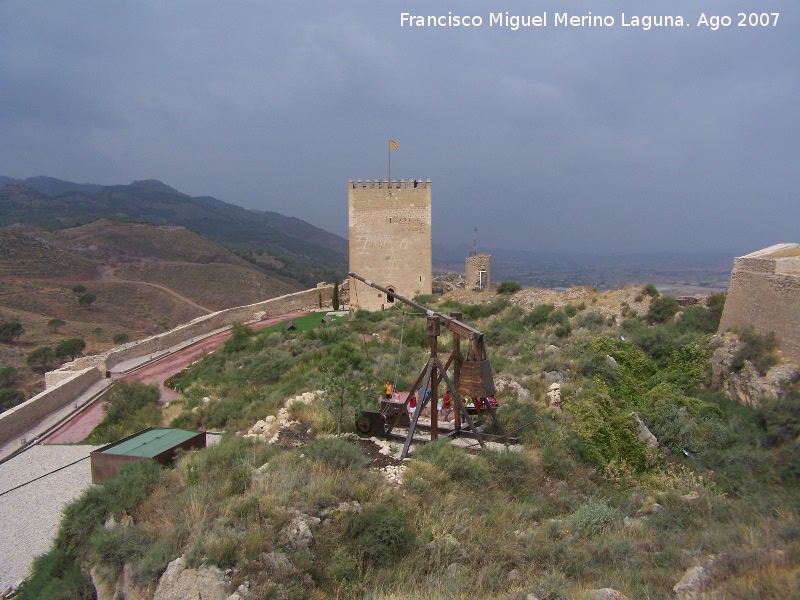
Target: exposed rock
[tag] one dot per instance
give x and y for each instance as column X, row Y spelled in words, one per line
column 297, row 534
column 747, row 386
column 181, row 583
column 606, row 594
column 103, row 587
column 509, row 386
column 691, row 585
column 554, row 395
column 515, row 577
column 551, row 349
column 278, row 563
column 393, row 473
column 611, row 361
column 644, row 434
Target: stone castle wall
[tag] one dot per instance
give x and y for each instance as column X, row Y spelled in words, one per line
column 72, row 379
column 390, row 240
column 18, row 419
column 307, row 299
column 476, row 264
column 765, row 293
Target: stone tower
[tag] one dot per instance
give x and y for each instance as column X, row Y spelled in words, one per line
column 478, row 272
column 390, row 240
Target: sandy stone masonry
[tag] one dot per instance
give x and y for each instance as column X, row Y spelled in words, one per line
column 474, row 266
column 765, row 293
column 390, row 239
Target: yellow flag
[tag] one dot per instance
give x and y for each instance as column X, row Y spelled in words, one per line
column 393, row 145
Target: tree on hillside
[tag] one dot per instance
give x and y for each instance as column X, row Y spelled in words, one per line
column 79, row 290
column 120, row 338
column 335, row 295
column 10, row 398
column 85, row 301
column 41, row 359
column 97, row 331
column 56, row 323
column 71, row 347
column 348, row 384
column 8, row 375
column 10, row 330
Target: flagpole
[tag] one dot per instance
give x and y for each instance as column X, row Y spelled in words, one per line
column 390, row 164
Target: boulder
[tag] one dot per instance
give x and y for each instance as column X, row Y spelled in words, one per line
column 644, row 434
column 606, row 594
column 691, row 585
column 298, row 534
column 181, row 583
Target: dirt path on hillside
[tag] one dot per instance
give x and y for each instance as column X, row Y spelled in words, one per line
column 106, row 274
column 153, row 373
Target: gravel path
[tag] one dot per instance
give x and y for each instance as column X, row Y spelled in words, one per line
column 29, row 515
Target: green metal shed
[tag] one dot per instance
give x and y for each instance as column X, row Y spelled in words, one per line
column 154, row 443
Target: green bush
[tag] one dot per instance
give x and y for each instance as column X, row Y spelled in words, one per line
column 662, row 309
column 508, row 287
column 10, row 399
column 338, row 453
column 538, row 316
column 8, row 376
column 57, row 574
column 650, row 290
column 118, row 545
column 591, row 517
column 592, row 320
column 130, row 407
column 381, row 533
column 758, row 349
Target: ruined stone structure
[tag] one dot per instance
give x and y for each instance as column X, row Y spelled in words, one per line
column 765, row 293
column 390, row 240
column 478, row 270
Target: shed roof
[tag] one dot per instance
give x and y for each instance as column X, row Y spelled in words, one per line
column 150, row 442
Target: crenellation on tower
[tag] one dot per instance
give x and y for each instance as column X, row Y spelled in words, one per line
column 386, row 184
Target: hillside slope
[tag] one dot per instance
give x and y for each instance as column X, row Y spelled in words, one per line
column 144, row 278
column 307, row 252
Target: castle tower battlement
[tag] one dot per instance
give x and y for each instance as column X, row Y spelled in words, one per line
column 390, row 239
column 411, row 183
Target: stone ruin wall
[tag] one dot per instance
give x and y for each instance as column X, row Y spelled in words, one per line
column 390, row 239
column 765, row 293
column 476, row 264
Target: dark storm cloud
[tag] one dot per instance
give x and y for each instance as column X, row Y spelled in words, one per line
column 591, row 139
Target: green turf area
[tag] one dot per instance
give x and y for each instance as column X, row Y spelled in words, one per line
column 304, row 323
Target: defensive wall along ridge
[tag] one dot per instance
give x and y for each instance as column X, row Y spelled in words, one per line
column 765, row 293
column 65, row 384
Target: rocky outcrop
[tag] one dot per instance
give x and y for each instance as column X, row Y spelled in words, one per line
column 182, row 583
column 510, row 387
column 746, row 385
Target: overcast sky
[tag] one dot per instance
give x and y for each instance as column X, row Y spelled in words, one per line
column 600, row 139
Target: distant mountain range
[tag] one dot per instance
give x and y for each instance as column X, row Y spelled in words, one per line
column 307, row 253
column 294, row 248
